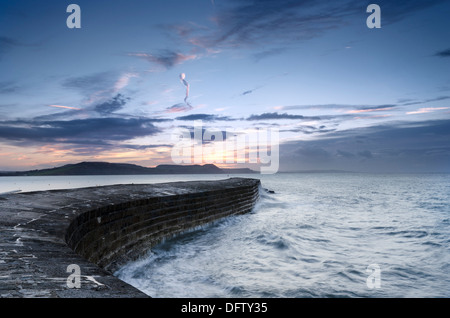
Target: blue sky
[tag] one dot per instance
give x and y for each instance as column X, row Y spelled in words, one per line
column 343, row 96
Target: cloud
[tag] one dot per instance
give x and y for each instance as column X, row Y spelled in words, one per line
column 242, row 23
column 444, row 53
column 344, row 154
column 65, row 107
column 314, row 153
column 99, row 87
column 165, row 58
column 143, row 147
column 95, row 87
column 426, row 110
column 371, row 109
column 195, row 133
column 8, row 43
column 391, row 147
column 341, row 107
column 123, row 81
column 115, row 104
column 367, row 109
column 309, row 130
column 8, row 87
column 178, row 108
column 268, row 53
column 87, row 132
column 429, row 100
column 365, row 154
column 90, row 82
column 205, row 117
column 395, row 11
column 251, row 90
column 252, row 22
column 276, row 116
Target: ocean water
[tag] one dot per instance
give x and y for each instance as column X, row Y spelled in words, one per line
column 318, row 235
column 41, row 183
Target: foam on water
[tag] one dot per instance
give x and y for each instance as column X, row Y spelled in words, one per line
column 315, row 237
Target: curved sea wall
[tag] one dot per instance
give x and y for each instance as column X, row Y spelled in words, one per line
column 100, row 228
column 113, row 234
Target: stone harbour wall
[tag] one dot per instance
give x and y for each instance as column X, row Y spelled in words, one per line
column 101, row 228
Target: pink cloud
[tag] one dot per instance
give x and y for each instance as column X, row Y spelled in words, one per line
column 65, row 107
column 357, row 111
column 426, row 110
column 123, row 81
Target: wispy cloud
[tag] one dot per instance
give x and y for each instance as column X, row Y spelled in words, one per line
column 178, row 108
column 429, row 100
column 394, row 146
column 371, row 109
column 99, row 87
column 165, row 58
column 8, row 87
column 90, row 83
column 110, row 106
column 123, row 81
column 65, row 107
column 426, row 110
column 268, row 116
column 205, row 117
column 268, row 53
column 309, row 130
column 251, row 90
column 242, row 23
column 8, row 43
column 92, row 134
column 444, row 53
column 347, row 108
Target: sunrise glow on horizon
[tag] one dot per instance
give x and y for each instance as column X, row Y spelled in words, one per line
column 340, row 94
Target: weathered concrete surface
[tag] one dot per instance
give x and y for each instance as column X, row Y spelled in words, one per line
column 106, row 226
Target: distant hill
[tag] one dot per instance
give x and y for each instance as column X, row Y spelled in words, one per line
column 107, row 168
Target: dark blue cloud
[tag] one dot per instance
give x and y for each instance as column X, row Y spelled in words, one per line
column 93, row 131
column 392, row 147
column 110, row 106
column 252, row 22
column 8, row 87
column 165, row 58
column 309, row 130
column 444, row 53
column 8, row 43
column 276, row 116
column 205, row 117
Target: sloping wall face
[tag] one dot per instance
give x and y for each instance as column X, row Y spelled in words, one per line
column 112, row 235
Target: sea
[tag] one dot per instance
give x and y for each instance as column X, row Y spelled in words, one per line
column 312, row 235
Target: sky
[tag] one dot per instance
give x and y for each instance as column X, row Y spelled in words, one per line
column 341, row 95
